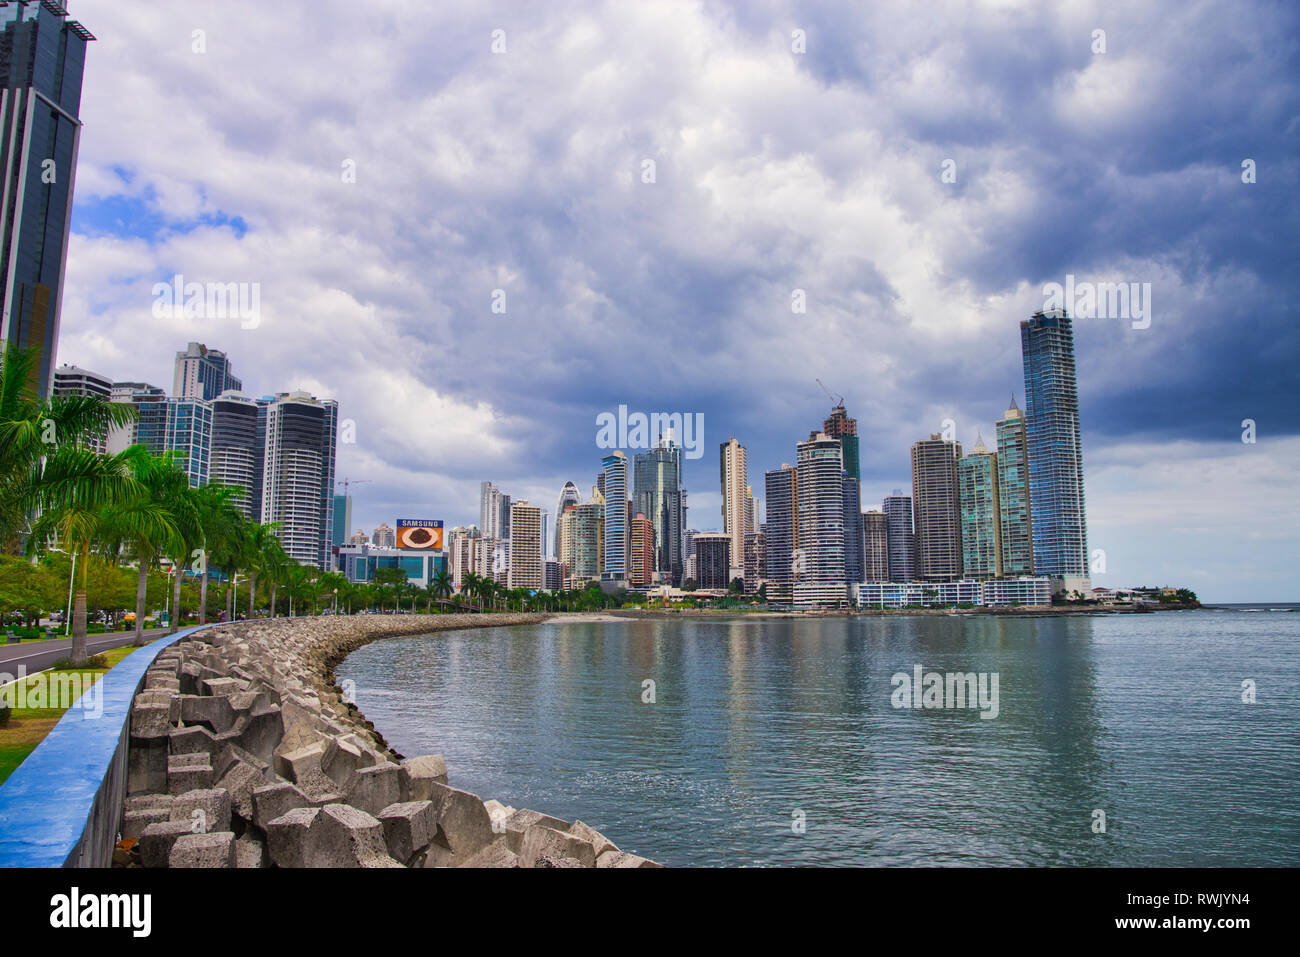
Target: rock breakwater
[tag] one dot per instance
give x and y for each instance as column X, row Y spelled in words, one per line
column 244, row 753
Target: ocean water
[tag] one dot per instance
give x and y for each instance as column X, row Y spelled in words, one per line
column 1117, row 740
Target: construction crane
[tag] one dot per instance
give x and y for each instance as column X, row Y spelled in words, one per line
column 346, row 482
column 837, row 399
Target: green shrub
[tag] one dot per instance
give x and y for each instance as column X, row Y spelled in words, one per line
column 4, row 715
column 67, row 664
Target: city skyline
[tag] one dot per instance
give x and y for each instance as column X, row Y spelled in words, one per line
column 913, row 285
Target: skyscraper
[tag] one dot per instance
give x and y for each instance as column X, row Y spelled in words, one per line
column 301, row 434
column 342, row 518
column 1013, row 495
column 713, row 561
column 489, row 510
column 902, row 541
column 614, row 470
column 1056, row 495
column 203, row 373
column 733, row 468
column 582, row 542
column 69, row 381
column 641, row 551
column 526, row 570
column 236, row 455
column 840, row 426
column 42, row 56
column 149, row 431
column 657, row 485
column 935, row 509
column 755, row 562
column 821, row 522
column 782, row 530
column 183, row 426
column 568, row 496
column 981, row 530
column 854, row 560
column 875, row 535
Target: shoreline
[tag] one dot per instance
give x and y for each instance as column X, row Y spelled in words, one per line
column 246, row 725
column 705, row 614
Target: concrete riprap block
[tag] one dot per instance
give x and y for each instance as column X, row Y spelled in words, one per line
column 420, row 773
column 250, row 852
column 157, row 839
column 150, row 718
column 520, row 821
column 203, row 850
column 207, row 809
column 496, row 854
column 240, row 781
column 624, row 859
column 545, row 842
column 295, row 765
column 598, row 841
column 214, row 712
column 146, row 766
column 464, row 825
column 191, row 740
column 189, row 772
column 275, row 800
column 344, row 836
column 135, row 822
column 375, row 788
column 286, row 837
column 221, row 686
column 408, row 828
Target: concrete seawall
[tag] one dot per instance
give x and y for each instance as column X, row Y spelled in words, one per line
column 243, row 753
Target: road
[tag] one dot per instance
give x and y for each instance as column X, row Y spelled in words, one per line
column 38, row 655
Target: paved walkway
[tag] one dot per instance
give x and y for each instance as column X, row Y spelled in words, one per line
column 38, row 655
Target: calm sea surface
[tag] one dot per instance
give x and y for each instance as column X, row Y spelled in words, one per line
column 760, row 725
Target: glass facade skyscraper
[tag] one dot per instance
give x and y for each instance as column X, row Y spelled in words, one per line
column 301, row 434
column 981, row 533
column 936, row 510
column 1013, row 495
column 657, row 484
column 782, row 531
column 235, row 452
column 821, row 509
column 902, row 544
column 203, row 373
column 42, row 56
column 614, row 469
column 1056, row 496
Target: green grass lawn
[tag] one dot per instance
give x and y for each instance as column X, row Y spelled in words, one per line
column 28, row 726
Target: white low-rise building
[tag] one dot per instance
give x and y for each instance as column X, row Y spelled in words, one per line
column 992, row 593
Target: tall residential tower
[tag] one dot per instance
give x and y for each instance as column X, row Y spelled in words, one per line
column 1056, row 495
column 42, row 56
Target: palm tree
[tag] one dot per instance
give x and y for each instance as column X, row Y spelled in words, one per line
column 469, row 587
column 220, row 528
column 442, row 586
column 76, row 489
column 298, row 581
column 260, row 557
column 32, row 428
column 146, row 524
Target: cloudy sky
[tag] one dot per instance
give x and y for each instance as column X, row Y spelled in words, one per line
column 648, row 184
